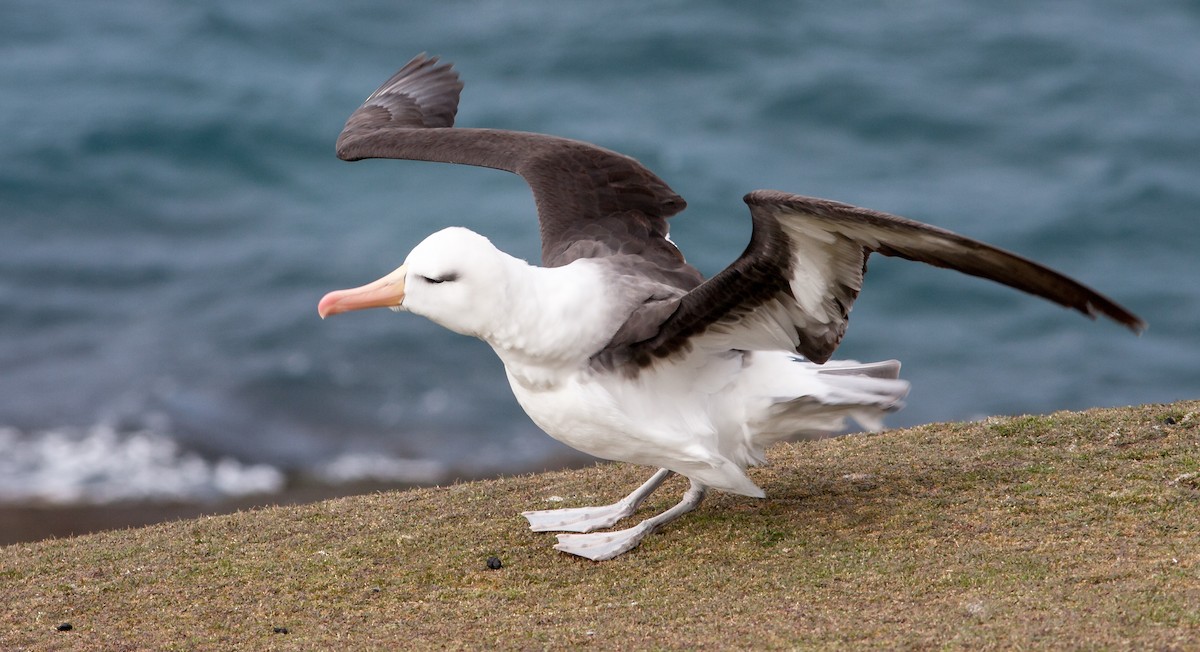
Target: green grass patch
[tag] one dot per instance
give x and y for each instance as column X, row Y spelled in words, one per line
column 1070, row 530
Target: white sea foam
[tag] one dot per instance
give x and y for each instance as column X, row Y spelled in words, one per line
column 353, row 467
column 100, row 464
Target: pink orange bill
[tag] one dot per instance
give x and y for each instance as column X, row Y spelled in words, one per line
column 387, row 292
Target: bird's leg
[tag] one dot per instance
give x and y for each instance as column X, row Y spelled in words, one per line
column 586, row 519
column 599, row 546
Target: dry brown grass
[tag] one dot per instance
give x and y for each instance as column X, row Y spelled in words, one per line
column 1074, row 530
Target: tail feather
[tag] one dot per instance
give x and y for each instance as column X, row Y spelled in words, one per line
column 810, row 401
column 882, row 369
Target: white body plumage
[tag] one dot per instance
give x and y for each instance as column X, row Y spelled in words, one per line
column 707, row 414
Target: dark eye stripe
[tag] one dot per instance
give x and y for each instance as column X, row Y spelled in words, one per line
column 443, row 279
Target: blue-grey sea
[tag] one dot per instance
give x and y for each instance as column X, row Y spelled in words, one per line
column 171, row 210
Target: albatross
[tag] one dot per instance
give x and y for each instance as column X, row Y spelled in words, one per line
column 618, row 347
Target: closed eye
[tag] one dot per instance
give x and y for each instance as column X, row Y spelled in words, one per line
column 442, row 279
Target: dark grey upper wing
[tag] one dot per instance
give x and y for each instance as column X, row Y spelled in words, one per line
column 591, row 202
column 795, row 283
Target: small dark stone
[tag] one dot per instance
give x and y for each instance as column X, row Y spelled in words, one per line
column 65, row 627
column 1170, row 421
column 280, row 630
column 494, row 563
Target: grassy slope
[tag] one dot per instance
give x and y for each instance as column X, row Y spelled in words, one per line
column 1069, row 530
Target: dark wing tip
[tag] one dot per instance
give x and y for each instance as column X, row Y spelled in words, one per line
column 434, row 88
column 1117, row 313
column 423, row 94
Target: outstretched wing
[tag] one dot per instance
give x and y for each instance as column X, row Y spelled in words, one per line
column 794, row 285
column 591, row 202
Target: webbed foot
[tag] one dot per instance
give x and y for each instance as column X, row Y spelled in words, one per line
column 599, row 546
column 586, row 519
column 578, row 519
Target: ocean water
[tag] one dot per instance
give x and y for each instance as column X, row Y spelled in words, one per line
column 171, row 211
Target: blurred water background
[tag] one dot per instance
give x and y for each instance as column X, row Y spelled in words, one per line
column 171, row 211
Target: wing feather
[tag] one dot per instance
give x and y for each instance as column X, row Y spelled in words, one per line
column 591, row 202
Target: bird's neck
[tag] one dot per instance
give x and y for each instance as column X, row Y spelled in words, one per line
column 556, row 321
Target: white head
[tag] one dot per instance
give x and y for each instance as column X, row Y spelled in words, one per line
column 455, row 278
